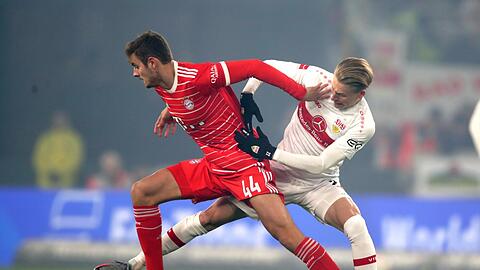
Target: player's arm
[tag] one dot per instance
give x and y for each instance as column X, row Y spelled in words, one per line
column 474, row 127
column 344, row 147
column 305, row 77
column 288, row 68
column 230, row 72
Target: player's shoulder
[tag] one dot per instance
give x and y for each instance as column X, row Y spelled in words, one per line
column 190, row 65
column 364, row 118
column 195, row 71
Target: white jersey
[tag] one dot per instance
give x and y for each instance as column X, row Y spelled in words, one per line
column 316, row 126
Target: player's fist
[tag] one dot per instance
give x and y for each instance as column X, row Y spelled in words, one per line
column 259, row 148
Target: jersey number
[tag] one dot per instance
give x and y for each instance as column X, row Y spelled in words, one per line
column 253, row 187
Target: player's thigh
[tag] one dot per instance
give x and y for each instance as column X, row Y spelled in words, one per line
column 271, row 211
column 156, row 188
column 340, row 211
column 325, row 202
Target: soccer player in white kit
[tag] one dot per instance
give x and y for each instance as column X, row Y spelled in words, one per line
column 320, row 135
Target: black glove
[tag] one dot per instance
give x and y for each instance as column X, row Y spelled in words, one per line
column 249, row 109
column 259, row 148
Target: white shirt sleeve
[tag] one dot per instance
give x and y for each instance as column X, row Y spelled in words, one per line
column 344, row 147
column 474, row 127
column 301, row 76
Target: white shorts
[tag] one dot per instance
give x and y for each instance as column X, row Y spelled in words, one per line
column 316, row 200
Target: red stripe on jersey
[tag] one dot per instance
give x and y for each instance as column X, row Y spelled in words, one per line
column 303, row 66
column 175, row 238
column 315, row 125
column 365, row 261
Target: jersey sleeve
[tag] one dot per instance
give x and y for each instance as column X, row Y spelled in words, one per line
column 306, row 77
column 244, row 69
column 344, row 147
column 354, row 140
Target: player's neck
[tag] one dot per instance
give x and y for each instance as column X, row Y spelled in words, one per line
column 167, row 75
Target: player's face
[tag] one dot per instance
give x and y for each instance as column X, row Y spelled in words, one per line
column 343, row 96
column 143, row 72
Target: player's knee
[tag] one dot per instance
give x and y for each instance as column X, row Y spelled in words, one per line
column 139, row 194
column 355, row 228
column 210, row 219
column 205, row 218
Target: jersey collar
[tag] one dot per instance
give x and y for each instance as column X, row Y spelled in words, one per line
column 175, row 80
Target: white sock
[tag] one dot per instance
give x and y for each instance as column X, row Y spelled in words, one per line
column 363, row 250
column 137, row 262
column 177, row 236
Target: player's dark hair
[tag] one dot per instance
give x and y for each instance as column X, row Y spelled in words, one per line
column 354, row 72
column 149, row 44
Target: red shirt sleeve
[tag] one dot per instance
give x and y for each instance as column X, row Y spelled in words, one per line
column 225, row 73
column 240, row 70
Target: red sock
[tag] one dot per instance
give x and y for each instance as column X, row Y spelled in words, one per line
column 149, row 230
column 314, row 255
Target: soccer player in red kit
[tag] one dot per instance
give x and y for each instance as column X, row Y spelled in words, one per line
column 198, row 97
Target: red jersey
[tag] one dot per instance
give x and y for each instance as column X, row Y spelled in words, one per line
column 205, row 106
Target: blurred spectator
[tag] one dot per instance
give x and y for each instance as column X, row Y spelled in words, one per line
column 429, row 132
column 111, row 174
column 459, row 133
column 58, row 154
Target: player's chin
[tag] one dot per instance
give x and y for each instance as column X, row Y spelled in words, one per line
column 148, row 85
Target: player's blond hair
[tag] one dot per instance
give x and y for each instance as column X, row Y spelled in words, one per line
column 354, row 72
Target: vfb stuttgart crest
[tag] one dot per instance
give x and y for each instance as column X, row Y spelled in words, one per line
column 188, row 103
column 319, row 123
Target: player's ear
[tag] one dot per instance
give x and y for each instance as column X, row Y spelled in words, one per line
column 152, row 62
column 362, row 93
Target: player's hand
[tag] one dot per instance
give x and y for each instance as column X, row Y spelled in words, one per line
column 260, row 148
column 165, row 122
column 249, row 109
column 318, row 92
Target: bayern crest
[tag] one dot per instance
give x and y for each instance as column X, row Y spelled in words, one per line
column 188, row 103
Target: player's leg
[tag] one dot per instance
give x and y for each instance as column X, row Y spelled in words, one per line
column 146, row 194
column 344, row 215
column 276, row 219
column 187, row 180
column 222, row 211
column 332, row 205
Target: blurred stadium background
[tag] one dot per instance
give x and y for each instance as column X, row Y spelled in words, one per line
column 76, row 128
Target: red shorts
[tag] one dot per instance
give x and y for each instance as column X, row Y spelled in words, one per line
column 198, row 183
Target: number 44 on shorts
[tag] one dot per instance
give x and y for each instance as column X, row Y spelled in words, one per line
column 253, row 187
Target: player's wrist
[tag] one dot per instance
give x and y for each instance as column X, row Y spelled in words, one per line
column 270, row 152
column 277, row 154
column 246, row 96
